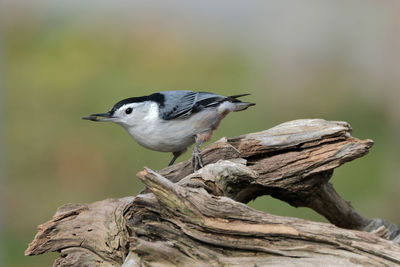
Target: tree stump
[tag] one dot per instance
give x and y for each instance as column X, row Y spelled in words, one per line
column 201, row 219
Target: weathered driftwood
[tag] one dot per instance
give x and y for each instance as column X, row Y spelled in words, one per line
column 196, row 218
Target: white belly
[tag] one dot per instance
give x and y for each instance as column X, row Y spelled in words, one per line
column 173, row 135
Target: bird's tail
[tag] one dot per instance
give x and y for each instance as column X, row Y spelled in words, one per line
column 239, row 105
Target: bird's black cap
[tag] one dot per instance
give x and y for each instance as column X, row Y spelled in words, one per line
column 156, row 97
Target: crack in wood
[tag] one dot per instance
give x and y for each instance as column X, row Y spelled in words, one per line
column 184, row 219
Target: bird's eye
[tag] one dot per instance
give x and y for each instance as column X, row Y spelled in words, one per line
column 128, row 110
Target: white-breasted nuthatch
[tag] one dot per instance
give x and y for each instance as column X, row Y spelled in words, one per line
column 171, row 121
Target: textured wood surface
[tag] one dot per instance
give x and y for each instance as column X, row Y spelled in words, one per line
column 185, row 218
column 183, row 225
column 85, row 233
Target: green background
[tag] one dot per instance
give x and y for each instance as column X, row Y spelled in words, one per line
column 60, row 64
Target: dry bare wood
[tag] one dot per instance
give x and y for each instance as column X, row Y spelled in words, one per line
column 200, row 218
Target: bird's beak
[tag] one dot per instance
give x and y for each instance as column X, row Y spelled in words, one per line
column 99, row 117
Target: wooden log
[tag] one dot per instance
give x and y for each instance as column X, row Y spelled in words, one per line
column 183, row 225
column 84, row 234
column 293, row 162
column 185, row 218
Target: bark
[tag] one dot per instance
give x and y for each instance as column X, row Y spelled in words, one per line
column 185, row 218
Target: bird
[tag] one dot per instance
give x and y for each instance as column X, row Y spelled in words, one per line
column 171, row 121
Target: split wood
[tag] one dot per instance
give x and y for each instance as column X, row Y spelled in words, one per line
column 201, row 219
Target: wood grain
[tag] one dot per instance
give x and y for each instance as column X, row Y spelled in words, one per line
column 201, row 219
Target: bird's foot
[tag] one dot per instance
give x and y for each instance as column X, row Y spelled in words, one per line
column 197, row 161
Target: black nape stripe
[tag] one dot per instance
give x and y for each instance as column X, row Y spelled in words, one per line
column 157, row 97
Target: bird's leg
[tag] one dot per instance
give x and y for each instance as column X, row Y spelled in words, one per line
column 176, row 155
column 197, row 161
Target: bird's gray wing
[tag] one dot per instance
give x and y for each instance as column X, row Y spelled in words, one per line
column 182, row 104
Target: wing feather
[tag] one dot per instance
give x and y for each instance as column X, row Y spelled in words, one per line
column 182, row 104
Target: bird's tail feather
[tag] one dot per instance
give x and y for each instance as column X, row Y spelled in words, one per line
column 239, row 104
column 242, row 106
column 237, row 96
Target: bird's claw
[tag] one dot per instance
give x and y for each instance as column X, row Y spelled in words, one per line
column 197, row 161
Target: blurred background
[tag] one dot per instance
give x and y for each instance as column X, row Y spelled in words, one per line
column 61, row 60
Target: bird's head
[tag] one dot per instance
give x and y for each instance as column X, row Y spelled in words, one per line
column 126, row 112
